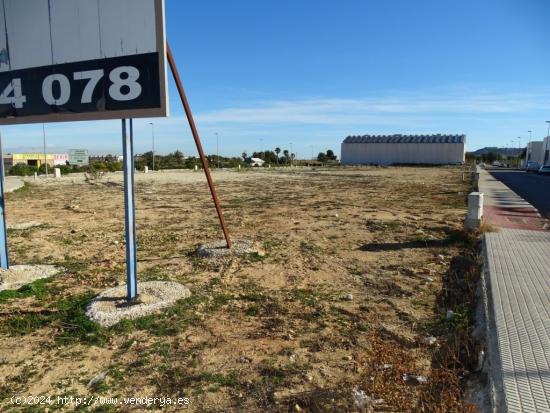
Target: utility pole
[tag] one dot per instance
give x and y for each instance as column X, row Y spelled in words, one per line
column 218, row 149
column 290, row 153
column 530, row 135
column 519, row 147
column 45, row 157
column 153, row 139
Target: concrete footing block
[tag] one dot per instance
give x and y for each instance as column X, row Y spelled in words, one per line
column 475, row 210
column 19, row 275
column 111, row 306
column 218, row 249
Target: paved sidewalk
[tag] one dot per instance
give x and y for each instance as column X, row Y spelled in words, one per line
column 504, row 208
column 517, row 301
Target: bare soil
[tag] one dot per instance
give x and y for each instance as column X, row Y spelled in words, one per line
column 350, row 283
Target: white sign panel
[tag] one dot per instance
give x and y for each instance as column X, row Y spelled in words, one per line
column 67, row 60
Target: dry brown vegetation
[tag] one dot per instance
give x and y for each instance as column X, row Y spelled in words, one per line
column 360, row 267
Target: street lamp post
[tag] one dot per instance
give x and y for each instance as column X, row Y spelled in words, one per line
column 153, row 139
column 519, row 147
column 530, row 135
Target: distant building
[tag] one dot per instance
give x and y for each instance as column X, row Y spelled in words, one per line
column 403, row 149
column 60, row 158
column 535, row 152
column 255, row 161
column 109, row 158
column 31, row 159
column 79, row 157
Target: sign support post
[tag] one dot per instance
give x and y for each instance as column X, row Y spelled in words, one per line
column 195, row 133
column 129, row 210
column 4, row 258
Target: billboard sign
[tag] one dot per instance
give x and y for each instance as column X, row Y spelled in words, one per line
column 68, row 60
column 78, row 157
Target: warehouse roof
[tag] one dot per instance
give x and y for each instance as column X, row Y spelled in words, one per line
column 406, row 139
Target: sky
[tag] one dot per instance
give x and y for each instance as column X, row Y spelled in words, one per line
column 304, row 74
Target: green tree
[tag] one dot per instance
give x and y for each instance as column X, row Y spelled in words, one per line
column 277, row 152
column 331, row 156
column 286, row 154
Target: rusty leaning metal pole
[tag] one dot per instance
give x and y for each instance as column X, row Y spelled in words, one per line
column 196, row 137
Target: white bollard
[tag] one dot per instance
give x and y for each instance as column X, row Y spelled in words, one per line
column 475, row 210
column 146, row 169
column 196, row 167
column 35, row 175
column 239, row 167
column 57, row 172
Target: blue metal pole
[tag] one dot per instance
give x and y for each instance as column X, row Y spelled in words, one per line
column 4, row 257
column 130, row 210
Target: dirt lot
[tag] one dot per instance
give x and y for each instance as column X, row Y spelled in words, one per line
column 358, row 268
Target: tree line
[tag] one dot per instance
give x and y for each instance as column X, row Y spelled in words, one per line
column 174, row 160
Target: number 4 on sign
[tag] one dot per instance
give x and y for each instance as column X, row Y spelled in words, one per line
column 16, row 99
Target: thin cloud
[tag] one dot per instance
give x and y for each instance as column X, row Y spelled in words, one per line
column 380, row 110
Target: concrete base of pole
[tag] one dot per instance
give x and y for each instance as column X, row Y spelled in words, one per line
column 111, row 306
column 218, row 249
column 19, row 275
column 21, row 226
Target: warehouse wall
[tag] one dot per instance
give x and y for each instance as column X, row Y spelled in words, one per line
column 390, row 153
column 535, row 151
column 546, row 151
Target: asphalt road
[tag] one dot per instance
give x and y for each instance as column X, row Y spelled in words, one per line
column 532, row 187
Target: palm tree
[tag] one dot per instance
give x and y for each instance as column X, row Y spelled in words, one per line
column 286, row 155
column 277, row 151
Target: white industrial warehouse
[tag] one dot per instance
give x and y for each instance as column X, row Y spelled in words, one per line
column 535, row 152
column 403, row 149
column 538, row 151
